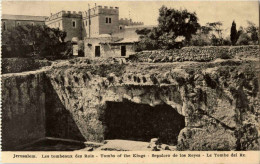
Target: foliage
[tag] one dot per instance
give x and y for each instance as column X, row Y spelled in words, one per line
column 172, row 24
column 143, row 31
column 200, row 39
column 227, row 41
column 13, row 65
column 178, row 22
column 147, row 43
column 81, row 48
column 233, row 33
column 216, row 35
column 243, row 39
column 210, row 34
column 223, row 55
column 253, row 31
column 27, row 40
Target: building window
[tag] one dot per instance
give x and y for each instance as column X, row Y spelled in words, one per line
column 18, row 23
column 4, row 26
column 89, row 22
column 74, row 24
column 108, row 20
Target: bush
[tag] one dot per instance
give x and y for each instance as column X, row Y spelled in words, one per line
column 223, row 55
column 147, row 44
column 200, row 40
column 243, row 39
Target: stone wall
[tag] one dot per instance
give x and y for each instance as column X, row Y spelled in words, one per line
column 198, row 54
column 23, row 109
column 31, row 110
column 72, row 31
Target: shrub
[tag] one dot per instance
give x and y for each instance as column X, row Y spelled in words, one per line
column 243, row 39
column 223, row 55
column 200, row 40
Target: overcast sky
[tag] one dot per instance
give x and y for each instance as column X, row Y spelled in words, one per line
column 147, row 11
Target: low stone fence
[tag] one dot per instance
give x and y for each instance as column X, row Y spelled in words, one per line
column 198, row 53
column 14, row 65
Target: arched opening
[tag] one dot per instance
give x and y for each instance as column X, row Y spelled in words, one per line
column 141, row 122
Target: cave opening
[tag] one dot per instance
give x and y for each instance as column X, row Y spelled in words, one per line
column 140, row 122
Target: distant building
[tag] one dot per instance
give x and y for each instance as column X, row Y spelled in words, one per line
column 70, row 22
column 103, row 33
column 107, row 46
column 129, row 22
column 101, row 20
column 92, row 23
column 11, row 21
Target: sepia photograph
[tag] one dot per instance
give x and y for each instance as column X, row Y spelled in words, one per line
column 167, row 76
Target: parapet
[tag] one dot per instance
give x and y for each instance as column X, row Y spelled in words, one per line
column 69, row 14
column 109, row 10
column 129, row 22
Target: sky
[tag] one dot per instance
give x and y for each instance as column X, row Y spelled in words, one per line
column 147, row 11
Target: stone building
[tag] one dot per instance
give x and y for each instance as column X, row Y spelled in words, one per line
column 11, row 21
column 101, row 20
column 129, row 22
column 107, row 46
column 92, row 23
column 99, row 27
column 68, row 21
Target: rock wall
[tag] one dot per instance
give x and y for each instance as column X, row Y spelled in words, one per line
column 31, row 110
column 201, row 54
column 23, row 109
column 220, row 101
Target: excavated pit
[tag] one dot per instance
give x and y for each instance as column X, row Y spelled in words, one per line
column 87, row 102
column 141, row 122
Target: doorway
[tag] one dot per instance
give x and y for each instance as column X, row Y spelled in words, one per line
column 123, row 51
column 97, row 51
column 140, row 122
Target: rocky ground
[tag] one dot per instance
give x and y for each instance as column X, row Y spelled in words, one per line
column 128, row 145
column 219, row 100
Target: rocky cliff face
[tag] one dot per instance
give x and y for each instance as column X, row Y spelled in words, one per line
column 23, row 109
column 219, row 100
column 196, row 106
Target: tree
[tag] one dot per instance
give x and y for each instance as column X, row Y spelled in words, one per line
column 172, row 24
column 253, row 31
column 177, row 22
column 216, row 36
column 233, row 33
column 26, row 40
column 243, row 39
column 143, row 31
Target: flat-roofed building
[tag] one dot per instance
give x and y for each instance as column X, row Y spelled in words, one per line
column 11, row 21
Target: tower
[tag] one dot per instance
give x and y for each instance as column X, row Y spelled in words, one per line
column 100, row 20
column 70, row 22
